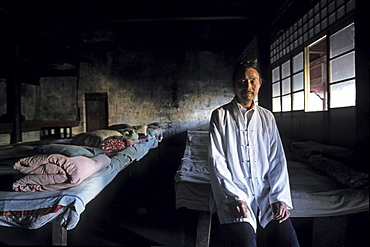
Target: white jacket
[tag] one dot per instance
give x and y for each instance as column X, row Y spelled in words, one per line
column 247, row 164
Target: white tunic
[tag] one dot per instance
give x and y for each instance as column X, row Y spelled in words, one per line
column 247, row 162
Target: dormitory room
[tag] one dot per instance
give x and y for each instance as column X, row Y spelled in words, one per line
column 195, row 123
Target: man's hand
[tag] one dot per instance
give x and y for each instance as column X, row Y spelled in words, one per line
column 280, row 211
column 239, row 209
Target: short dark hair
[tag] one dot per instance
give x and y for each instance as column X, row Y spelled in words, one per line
column 243, row 66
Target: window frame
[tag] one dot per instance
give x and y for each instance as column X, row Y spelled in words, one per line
column 327, row 19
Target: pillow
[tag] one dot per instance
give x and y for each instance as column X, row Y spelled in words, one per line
column 95, row 138
column 69, row 150
column 126, row 130
column 141, row 129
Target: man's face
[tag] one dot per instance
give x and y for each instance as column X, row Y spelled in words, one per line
column 247, row 86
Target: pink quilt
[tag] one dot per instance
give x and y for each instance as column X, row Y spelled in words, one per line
column 47, row 172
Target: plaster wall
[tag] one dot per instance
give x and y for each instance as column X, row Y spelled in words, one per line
column 178, row 89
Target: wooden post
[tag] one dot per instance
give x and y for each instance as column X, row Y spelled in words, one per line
column 59, row 234
column 14, row 94
column 203, row 229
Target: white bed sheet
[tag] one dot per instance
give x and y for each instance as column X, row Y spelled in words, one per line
column 313, row 193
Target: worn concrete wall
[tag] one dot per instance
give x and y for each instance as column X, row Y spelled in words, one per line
column 58, row 99
column 175, row 88
column 54, row 99
column 30, row 94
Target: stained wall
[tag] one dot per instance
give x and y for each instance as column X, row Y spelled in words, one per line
column 176, row 88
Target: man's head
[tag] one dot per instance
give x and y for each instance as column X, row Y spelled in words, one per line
column 246, row 83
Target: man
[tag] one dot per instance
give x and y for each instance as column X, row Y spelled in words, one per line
column 248, row 167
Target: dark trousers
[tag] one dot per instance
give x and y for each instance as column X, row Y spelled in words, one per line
column 274, row 234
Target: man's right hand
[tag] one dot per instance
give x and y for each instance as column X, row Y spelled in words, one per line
column 239, row 209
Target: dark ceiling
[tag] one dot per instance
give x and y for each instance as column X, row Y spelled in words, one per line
column 84, row 26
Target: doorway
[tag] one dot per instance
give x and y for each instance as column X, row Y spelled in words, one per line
column 96, row 111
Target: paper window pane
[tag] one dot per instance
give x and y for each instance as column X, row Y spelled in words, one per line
column 343, row 67
column 276, row 107
column 298, row 82
column 332, row 19
column 332, row 7
column 340, row 2
column 343, row 94
column 285, row 69
column 276, row 89
column 298, row 62
column 298, row 101
column 324, row 12
column 286, row 103
column 342, row 41
column 286, row 86
column 275, row 74
column 324, row 23
column 310, row 23
column 317, row 19
column 311, row 33
column 341, row 12
column 350, row 5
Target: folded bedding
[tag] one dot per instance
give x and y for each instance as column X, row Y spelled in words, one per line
column 55, row 171
column 34, row 209
column 54, row 166
column 54, row 181
column 340, row 172
column 337, row 162
column 63, row 206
